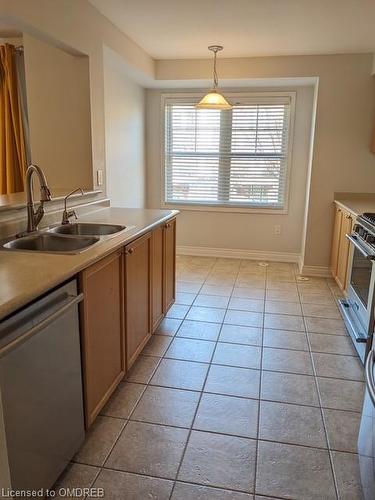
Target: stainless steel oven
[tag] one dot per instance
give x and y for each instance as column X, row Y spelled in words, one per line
column 358, row 307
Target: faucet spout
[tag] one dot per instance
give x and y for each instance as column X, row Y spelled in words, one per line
column 34, row 217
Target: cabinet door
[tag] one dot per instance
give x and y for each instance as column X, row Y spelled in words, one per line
column 103, row 333
column 157, row 276
column 137, row 296
column 336, row 240
column 344, row 247
column 169, row 292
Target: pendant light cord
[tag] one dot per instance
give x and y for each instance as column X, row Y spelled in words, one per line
column 216, row 80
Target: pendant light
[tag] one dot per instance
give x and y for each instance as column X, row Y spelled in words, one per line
column 214, row 100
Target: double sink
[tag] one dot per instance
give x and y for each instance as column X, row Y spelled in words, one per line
column 66, row 239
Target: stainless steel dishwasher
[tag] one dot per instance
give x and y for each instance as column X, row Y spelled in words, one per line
column 41, row 408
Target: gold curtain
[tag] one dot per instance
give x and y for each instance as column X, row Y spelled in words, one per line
column 13, row 158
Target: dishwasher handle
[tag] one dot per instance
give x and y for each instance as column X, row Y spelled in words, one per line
column 369, row 375
column 70, row 301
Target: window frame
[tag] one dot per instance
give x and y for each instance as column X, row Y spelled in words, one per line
column 234, row 97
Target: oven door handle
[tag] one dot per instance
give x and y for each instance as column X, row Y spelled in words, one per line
column 370, row 375
column 354, row 240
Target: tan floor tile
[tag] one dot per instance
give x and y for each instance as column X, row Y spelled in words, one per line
column 285, row 339
column 177, row 311
column 335, row 344
column 75, row 476
column 282, row 286
column 180, row 374
column 249, row 293
column 100, row 438
column 243, row 318
column 236, row 334
column 289, row 388
column 280, row 307
column 342, row 429
column 289, row 471
column 323, row 325
column 187, row 287
column 227, row 415
column 243, row 356
column 157, row 345
column 284, row 360
column 185, row 298
column 233, row 381
column 320, row 311
column 224, row 291
column 185, row 491
column 211, row 301
column 218, row 460
column 242, row 304
column 168, row 326
column 293, row 424
column 336, row 366
column 161, row 405
column 282, row 295
column 191, row 350
column 143, row 369
column 284, row 322
column 346, row 466
column 323, row 298
column 123, row 485
column 209, row 314
column 124, row 400
column 341, row 394
column 199, row 330
column 154, row 450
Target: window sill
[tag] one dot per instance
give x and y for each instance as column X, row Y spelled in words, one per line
column 227, row 209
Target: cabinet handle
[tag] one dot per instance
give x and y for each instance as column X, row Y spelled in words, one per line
column 168, row 225
column 129, row 251
column 348, row 216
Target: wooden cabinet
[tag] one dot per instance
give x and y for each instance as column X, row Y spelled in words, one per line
column 125, row 297
column 343, row 225
column 169, row 278
column 102, row 332
column 138, row 267
column 157, row 276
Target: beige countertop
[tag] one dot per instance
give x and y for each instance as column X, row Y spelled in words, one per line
column 26, row 275
column 356, row 203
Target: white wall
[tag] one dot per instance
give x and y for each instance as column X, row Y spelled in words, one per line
column 242, row 231
column 124, row 111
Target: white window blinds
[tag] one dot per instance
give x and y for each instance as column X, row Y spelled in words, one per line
column 227, row 158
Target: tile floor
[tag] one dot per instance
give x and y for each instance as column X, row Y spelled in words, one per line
column 250, row 390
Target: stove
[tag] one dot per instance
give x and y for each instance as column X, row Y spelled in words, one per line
column 358, row 307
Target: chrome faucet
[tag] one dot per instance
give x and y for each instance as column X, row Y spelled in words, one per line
column 35, row 216
column 70, row 213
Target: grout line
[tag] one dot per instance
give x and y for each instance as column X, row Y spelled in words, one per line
column 199, row 401
column 323, row 416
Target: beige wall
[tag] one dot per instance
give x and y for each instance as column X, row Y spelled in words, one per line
column 240, row 231
column 345, row 108
column 58, row 98
column 124, row 103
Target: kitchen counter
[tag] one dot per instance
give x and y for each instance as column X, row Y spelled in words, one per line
column 356, row 203
column 26, row 275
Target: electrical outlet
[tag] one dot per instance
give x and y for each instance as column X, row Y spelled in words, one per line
column 99, row 177
column 277, row 229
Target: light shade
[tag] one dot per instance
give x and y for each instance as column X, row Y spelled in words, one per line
column 213, row 100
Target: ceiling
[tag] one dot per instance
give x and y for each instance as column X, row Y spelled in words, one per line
column 168, row 29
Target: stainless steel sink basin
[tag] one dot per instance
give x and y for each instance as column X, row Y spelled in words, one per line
column 88, row 229
column 46, row 242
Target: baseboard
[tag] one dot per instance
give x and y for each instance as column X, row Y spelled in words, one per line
column 238, row 254
column 318, row 271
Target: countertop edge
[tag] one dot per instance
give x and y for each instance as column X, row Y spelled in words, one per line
column 10, row 307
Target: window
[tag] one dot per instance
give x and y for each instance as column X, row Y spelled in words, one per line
column 237, row 158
